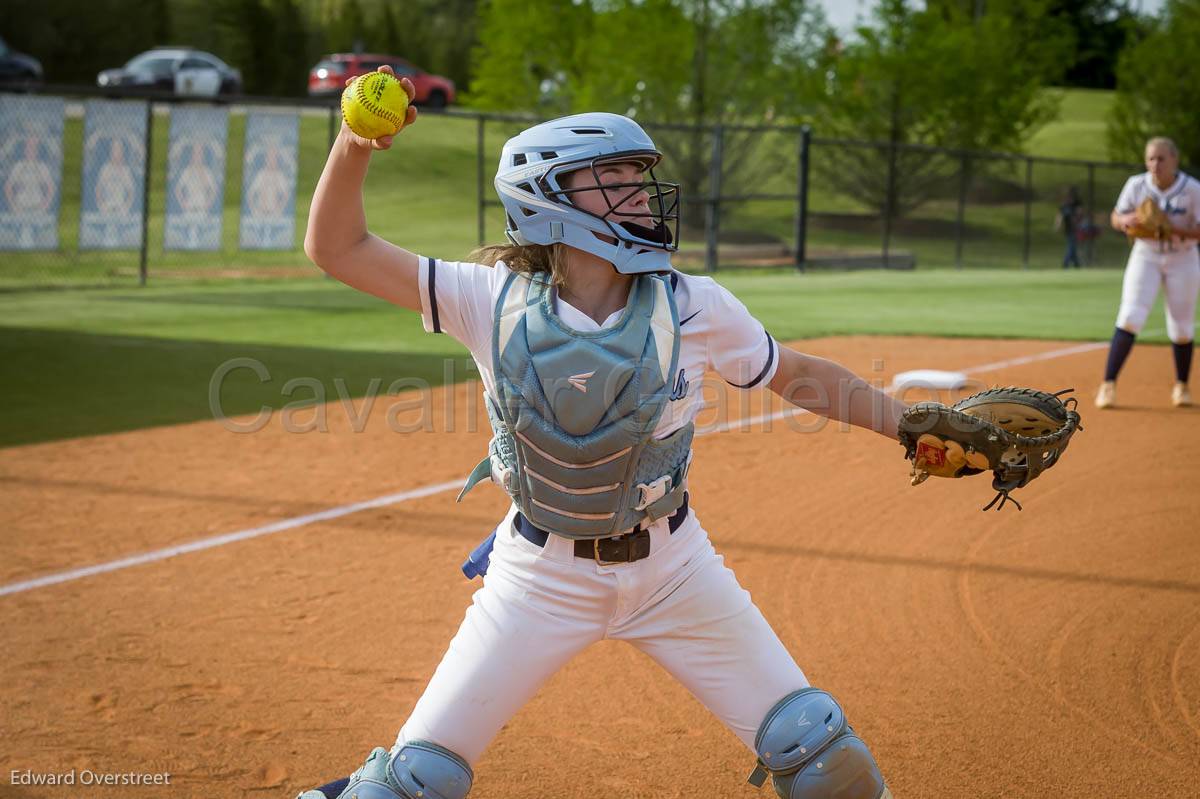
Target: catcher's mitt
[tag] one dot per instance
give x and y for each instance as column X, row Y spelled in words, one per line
column 1017, row 433
column 1152, row 223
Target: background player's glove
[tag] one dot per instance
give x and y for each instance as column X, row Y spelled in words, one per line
column 1016, row 433
column 1151, row 223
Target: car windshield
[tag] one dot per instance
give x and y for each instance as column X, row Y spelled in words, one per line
column 153, row 63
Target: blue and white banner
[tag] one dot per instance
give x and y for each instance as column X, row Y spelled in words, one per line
column 31, row 136
column 269, row 182
column 114, row 175
column 196, row 178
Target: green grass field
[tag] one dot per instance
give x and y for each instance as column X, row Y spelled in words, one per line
column 93, row 361
column 1079, row 130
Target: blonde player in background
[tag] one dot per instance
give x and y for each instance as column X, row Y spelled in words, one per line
column 591, row 349
column 1172, row 263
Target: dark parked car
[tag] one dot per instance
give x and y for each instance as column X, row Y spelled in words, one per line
column 175, row 69
column 17, row 67
column 329, row 77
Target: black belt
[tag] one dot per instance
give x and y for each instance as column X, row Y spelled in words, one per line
column 625, row 548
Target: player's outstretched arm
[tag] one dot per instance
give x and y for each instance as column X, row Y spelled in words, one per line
column 337, row 239
column 829, row 389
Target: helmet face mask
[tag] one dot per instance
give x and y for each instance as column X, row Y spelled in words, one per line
column 656, row 227
column 540, row 209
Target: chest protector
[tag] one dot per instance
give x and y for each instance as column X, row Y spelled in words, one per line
column 574, row 413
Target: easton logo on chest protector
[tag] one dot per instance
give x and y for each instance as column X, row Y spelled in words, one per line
column 579, row 381
column 574, row 412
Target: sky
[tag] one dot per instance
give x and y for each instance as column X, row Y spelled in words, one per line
column 843, row 13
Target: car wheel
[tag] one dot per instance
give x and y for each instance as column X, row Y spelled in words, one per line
column 436, row 99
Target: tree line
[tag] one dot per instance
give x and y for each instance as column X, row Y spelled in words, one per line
column 273, row 42
column 967, row 74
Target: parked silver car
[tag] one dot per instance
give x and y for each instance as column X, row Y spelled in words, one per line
column 182, row 70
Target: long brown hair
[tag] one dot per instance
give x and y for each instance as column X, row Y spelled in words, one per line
column 528, row 259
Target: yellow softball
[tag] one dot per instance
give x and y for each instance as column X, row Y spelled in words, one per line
column 374, row 105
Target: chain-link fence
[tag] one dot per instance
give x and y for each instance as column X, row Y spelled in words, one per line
column 751, row 196
column 778, row 196
column 944, row 208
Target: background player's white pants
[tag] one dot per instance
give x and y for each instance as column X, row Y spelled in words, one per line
column 1178, row 272
column 539, row 607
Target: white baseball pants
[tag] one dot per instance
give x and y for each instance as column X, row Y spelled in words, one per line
column 539, row 607
column 1178, row 273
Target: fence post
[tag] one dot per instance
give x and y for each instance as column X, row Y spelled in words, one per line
column 712, row 214
column 479, row 179
column 1028, row 212
column 960, row 221
column 333, row 117
column 889, row 202
column 802, row 198
column 1091, row 210
column 143, row 270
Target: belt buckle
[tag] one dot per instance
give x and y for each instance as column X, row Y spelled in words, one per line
column 596, row 555
column 628, row 538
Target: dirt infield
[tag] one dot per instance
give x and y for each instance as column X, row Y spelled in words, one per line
column 1053, row 652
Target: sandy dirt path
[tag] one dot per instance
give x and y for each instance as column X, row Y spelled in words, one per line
column 1050, row 652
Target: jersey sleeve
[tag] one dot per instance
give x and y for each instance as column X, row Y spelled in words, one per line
column 1127, row 200
column 740, row 349
column 456, row 299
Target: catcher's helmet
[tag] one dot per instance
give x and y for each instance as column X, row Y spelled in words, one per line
column 539, row 209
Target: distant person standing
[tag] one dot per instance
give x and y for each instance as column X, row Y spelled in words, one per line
column 1067, row 222
column 1169, row 261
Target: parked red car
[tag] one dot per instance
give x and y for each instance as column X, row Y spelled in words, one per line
column 329, row 77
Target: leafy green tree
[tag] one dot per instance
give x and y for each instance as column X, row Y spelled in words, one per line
column 1102, row 29
column 691, row 62
column 1155, row 95
column 526, row 56
column 292, row 54
column 246, row 34
column 74, row 40
column 348, row 31
column 942, row 77
column 442, row 38
column 1099, row 30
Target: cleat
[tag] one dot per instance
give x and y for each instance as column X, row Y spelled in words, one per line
column 1180, row 396
column 1106, row 396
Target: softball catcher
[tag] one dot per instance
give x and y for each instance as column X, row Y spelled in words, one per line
column 591, row 349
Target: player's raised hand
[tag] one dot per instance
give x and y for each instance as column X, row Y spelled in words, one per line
column 410, row 116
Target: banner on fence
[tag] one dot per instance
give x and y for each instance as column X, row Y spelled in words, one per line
column 269, row 181
column 196, row 178
column 31, row 135
column 114, row 175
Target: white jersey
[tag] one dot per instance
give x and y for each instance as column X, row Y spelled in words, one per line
column 540, row 605
column 1181, row 201
column 716, row 330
